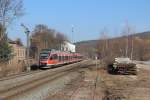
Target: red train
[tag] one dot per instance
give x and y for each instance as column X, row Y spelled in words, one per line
column 49, row 58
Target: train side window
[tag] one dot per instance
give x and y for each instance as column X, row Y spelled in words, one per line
column 59, row 58
column 62, row 58
column 55, row 57
column 70, row 58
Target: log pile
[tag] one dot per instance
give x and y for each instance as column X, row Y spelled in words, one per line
column 125, row 66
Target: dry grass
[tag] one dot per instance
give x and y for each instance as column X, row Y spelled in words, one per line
column 126, row 87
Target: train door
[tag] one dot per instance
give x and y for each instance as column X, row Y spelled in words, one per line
column 53, row 59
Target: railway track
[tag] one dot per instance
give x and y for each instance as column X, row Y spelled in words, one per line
column 19, row 84
column 85, row 91
column 19, row 75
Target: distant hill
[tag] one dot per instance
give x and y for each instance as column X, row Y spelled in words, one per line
column 86, row 46
column 143, row 35
column 88, row 42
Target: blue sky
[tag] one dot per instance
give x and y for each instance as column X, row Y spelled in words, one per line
column 89, row 17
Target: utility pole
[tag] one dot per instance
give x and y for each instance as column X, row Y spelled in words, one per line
column 132, row 48
column 127, row 30
column 96, row 67
column 27, row 32
column 72, row 30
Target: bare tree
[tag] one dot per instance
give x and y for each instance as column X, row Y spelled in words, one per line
column 60, row 38
column 132, row 43
column 128, row 39
column 9, row 11
column 44, row 37
column 104, row 42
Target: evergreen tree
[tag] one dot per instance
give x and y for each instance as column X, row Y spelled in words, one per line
column 5, row 49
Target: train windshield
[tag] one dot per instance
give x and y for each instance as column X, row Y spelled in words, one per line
column 44, row 55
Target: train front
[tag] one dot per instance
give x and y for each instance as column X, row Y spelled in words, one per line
column 43, row 59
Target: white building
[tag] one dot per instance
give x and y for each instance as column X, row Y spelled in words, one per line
column 67, row 46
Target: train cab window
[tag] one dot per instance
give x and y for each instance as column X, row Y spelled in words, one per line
column 51, row 58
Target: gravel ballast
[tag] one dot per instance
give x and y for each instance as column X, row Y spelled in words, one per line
column 47, row 89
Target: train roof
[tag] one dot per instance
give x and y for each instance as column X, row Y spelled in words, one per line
column 53, row 51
